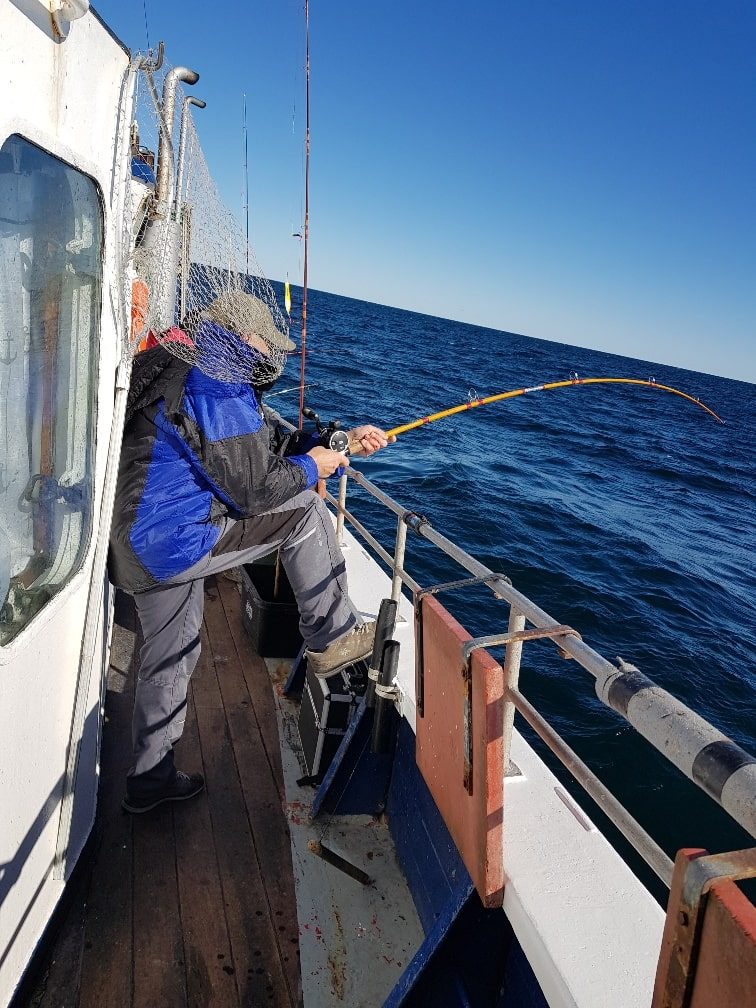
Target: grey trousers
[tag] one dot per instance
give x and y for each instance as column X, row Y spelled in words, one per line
column 171, row 614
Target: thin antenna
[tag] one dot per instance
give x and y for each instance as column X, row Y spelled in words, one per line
column 306, row 233
column 146, row 26
column 246, row 187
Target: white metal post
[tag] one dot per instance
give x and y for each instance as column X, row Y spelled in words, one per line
column 401, row 542
column 511, row 666
column 342, row 506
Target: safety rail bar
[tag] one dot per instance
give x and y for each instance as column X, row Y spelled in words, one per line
column 716, row 764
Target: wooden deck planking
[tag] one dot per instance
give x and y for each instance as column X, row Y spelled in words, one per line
column 191, row 904
column 159, row 976
column 270, row 830
column 59, row 986
column 107, row 952
column 256, row 677
column 251, row 918
column 210, row 974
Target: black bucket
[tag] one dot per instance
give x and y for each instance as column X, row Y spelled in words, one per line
column 272, row 624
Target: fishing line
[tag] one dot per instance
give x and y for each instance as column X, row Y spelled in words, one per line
column 472, row 403
column 146, row 27
column 294, row 388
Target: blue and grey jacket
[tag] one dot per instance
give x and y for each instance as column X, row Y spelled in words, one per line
column 195, row 450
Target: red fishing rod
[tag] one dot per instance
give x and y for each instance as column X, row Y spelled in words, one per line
column 306, row 228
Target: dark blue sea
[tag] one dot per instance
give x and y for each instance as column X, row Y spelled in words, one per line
column 627, row 513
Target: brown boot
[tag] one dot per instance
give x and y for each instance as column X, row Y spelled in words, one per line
column 354, row 646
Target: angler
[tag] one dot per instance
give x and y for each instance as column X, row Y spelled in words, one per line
column 209, row 481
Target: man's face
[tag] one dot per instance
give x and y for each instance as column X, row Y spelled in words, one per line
column 257, row 343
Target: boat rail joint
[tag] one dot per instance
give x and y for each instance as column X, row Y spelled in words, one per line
column 518, row 636
column 512, row 637
column 415, row 521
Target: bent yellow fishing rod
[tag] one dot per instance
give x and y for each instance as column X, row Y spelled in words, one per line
column 513, row 393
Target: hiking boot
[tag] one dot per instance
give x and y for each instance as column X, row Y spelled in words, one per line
column 180, row 787
column 354, row 646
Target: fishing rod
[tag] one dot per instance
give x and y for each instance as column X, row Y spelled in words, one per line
column 573, row 380
column 306, row 230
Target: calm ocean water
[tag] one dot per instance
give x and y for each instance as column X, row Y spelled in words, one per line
column 627, row 513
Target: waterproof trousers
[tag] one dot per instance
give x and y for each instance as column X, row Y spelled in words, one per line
column 171, row 616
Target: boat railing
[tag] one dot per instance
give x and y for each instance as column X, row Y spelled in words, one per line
column 716, row 764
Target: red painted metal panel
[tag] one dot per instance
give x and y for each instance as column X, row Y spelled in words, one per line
column 475, row 820
column 726, row 968
column 708, row 952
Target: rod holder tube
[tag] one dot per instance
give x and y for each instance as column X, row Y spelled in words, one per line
column 164, row 175
column 385, row 711
column 384, row 628
column 189, row 100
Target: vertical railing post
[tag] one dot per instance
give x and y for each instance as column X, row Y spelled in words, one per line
column 342, row 507
column 511, row 666
column 401, row 542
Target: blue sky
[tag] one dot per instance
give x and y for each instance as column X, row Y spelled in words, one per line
column 579, row 171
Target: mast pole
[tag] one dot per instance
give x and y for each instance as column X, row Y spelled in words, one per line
column 246, row 188
column 306, row 232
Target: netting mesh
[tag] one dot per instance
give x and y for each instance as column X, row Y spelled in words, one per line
column 199, row 290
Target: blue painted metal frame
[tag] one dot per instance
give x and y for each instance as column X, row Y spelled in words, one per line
column 296, row 679
column 357, row 781
column 470, row 956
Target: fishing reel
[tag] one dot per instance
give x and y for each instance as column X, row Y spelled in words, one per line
column 331, row 435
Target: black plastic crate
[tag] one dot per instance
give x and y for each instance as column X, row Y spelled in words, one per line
column 273, row 625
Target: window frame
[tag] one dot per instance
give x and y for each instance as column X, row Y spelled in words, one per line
column 72, row 585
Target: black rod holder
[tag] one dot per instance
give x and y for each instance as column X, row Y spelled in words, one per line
column 384, row 628
column 385, row 692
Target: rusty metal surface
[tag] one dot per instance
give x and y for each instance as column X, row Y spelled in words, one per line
column 519, row 636
column 437, row 589
column 475, row 820
column 708, row 953
column 726, row 971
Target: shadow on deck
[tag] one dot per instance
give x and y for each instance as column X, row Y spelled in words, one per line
column 191, row 904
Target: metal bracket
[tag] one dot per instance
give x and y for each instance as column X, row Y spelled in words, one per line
column 463, row 582
column 418, row 600
column 414, row 520
column 387, row 692
column 561, row 630
column 700, row 874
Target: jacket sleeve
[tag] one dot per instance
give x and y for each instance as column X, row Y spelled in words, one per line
column 235, row 458
column 283, row 441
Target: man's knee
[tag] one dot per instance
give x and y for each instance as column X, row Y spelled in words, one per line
column 271, row 528
column 312, row 529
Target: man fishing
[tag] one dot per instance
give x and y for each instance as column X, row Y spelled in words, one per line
column 208, row 480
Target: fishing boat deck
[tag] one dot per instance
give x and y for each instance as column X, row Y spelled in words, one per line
column 192, row 904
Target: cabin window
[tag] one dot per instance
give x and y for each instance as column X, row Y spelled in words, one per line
column 50, row 293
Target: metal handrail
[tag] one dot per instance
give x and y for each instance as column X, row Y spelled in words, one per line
column 716, row 764
column 645, row 845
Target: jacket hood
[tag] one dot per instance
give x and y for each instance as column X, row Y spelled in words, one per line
column 155, row 374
